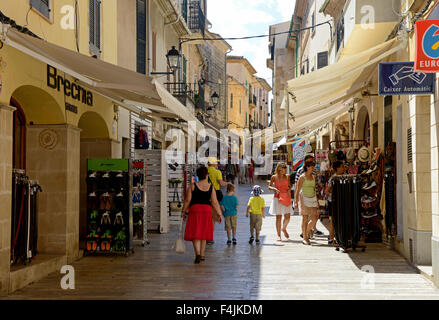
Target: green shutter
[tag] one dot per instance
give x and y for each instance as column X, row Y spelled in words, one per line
column 42, row 6
column 184, row 69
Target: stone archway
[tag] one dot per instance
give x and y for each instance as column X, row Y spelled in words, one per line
column 362, row 125
column 95, row 143
column 39, row 107
column 51, row 156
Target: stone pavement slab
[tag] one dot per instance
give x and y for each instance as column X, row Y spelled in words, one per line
column 266, row 271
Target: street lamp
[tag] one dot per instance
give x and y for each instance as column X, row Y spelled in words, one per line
column 215, row 99
column 173, row 58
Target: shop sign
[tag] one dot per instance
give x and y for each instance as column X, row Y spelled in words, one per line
column 400, row 78
column 56, row 81
column 71, row 108
column 298, row 153
column 107, row 164
column 427, row 46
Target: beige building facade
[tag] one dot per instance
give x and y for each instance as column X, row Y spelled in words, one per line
column 407, row 121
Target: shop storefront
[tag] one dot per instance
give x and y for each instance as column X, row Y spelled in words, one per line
column 58, row 108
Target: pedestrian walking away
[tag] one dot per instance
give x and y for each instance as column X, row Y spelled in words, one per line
column 200, row 199
column 256, row 209
column 308, row 204
column 251, row 170
column 308, row 158
column 229, row 205
column 216, row 179
column 230, row 172
column 339, row 169
column 281, row 205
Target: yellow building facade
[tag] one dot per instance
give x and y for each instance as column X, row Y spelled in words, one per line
column 50, row 122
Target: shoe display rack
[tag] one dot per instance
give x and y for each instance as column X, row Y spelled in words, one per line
column 138, row 196
column 24, row 222
column 373, row 178
column 109, row 209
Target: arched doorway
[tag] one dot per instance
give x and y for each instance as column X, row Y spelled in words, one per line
column 40, row 152
column 95, row 143
column 33, row 106
column 18, row 137
column 363, row 125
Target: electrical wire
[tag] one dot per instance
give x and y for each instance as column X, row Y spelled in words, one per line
column 257, row 36
column 27, row 16
column 76, row 25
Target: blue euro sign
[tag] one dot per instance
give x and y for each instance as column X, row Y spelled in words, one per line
column 431, row 42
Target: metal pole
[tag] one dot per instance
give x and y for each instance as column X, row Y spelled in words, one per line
column 351, row 123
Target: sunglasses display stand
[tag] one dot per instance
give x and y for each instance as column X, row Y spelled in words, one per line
column 109, row 209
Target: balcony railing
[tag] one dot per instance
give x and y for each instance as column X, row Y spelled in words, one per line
column 182, row 89
column 196, row 19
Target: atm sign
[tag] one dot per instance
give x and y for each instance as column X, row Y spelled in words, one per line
column 427, row 46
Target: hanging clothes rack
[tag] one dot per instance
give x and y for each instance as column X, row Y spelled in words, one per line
column 347, row 211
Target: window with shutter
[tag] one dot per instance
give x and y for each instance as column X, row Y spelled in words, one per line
column 42, row 6
column 154, row 49
column 95, row 26
column 322, row 59
column 409, row 146
column 141, row 36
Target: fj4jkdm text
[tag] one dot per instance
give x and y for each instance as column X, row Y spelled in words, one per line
column 74, row 90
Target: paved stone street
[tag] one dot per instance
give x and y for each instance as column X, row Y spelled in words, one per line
column 265, row 271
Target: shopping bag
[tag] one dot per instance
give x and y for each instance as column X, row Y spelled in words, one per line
column 180, row 246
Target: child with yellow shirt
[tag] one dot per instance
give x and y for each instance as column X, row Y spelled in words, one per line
column 256, row 208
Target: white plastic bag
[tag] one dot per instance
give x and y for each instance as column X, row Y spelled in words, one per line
column 180, row 246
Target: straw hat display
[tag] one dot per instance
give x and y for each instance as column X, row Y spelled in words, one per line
column 350, row 155
column 363, row 154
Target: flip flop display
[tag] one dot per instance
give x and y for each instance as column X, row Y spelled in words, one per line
column 108, row 207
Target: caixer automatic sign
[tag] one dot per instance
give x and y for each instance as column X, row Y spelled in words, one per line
column 427, row 46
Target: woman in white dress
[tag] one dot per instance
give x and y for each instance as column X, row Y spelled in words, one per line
column 281, row 206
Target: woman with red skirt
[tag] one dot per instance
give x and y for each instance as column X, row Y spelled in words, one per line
column 199, row 201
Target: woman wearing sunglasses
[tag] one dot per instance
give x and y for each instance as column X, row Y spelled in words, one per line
column 281, row 205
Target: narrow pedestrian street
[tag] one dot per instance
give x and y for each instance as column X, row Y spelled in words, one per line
column 266, row 271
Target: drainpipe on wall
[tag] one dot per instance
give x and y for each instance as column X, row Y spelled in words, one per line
column 148, row 23
column 226, row 91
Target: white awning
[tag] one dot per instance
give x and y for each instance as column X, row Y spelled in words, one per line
column 127, row 88
column 176, row 106
column 319, row 96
